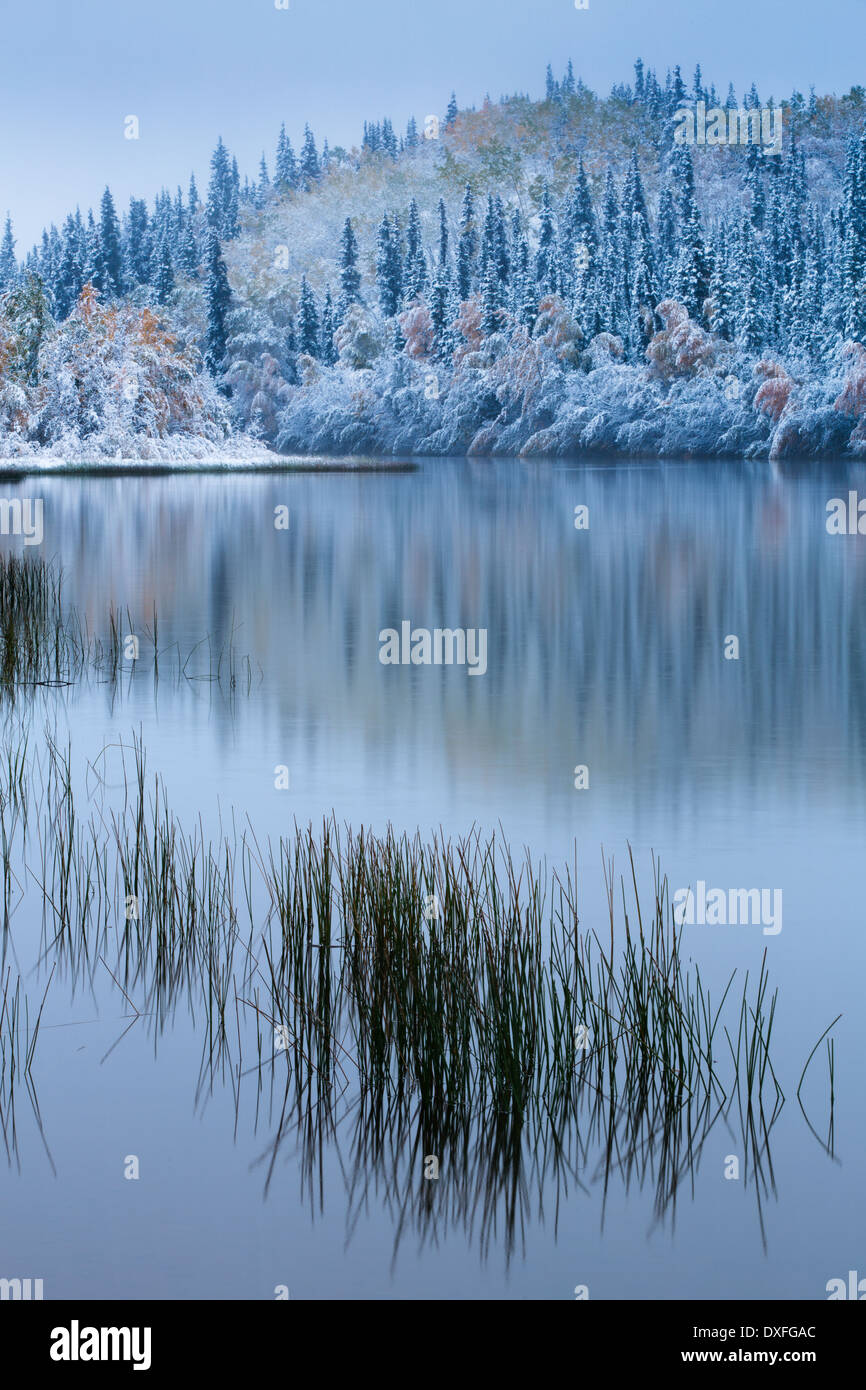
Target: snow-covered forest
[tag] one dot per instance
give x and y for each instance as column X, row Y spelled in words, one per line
column 526, row 277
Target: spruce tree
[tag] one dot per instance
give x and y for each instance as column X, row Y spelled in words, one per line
column 231, row 225
column 110, row 264
column 721, row 294
column 90, row 260
column 28, row 309
column 752, row 324
column 328, row 351
column 443, row 233
column 692, row 271
column 8, row 263
column 218, row 299
column 389, row 269
column 286, row 167
column 188, row 258
column 163, row 283
column 666, row 233
column 501, row 252
column 545, row 260
column 289, row 355
column 308, row 321
column 350, row 277
column 264, row 183
column 310, row 170
column 582, row 215
column 755, row 187
column 528, row 299
column 415, row 267
column 643, row 290
column 221, row 193
column 467, row 245
column 69, row 281
column 440, row 316
column 389, row 139
column 491, row 309
column 138, row 248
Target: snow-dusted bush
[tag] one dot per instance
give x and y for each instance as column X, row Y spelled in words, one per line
column 258, row 390
column 558, row 329
column 357, row 340
column 416, row 326
column 111, row 379
column 774, row 395
column 118, row 371
column 681, row 346
column 852, row 398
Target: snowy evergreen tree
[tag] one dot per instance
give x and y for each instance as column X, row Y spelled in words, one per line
column 440, row 313
column 289, row 355
column 545, row 260
column 443, row 233
column 27, row 311
column 231, row 223
column 310, row 171
column 721, row 294
column 643, row 295
column 138, row 248
column 328, row 351
column 581, row 214
column 692, row 272
column 8, row 262
column 222, row 195
column 350, row 277
column 218, row 299
column 308, row 321
column 109, row 268
column 264, row 184
column 70, row 279
column 163, row 283
column 491, row 308
column 752, row 325
column 90, row 251
column 286, row 167
column 415, row 267
column 467, row 246
column 389, row 268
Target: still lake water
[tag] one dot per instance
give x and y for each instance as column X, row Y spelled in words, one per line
column 606, row 649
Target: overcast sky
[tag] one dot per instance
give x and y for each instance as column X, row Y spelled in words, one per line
column 193, row 69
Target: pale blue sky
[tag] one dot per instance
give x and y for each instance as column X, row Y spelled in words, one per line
column 191, row 71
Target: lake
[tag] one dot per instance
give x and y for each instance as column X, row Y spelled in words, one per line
column 609, row 664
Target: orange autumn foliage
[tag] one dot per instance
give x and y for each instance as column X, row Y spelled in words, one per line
column 773, row 396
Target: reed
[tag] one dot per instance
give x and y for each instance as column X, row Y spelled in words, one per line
column 44, row 643
column 444, row 969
